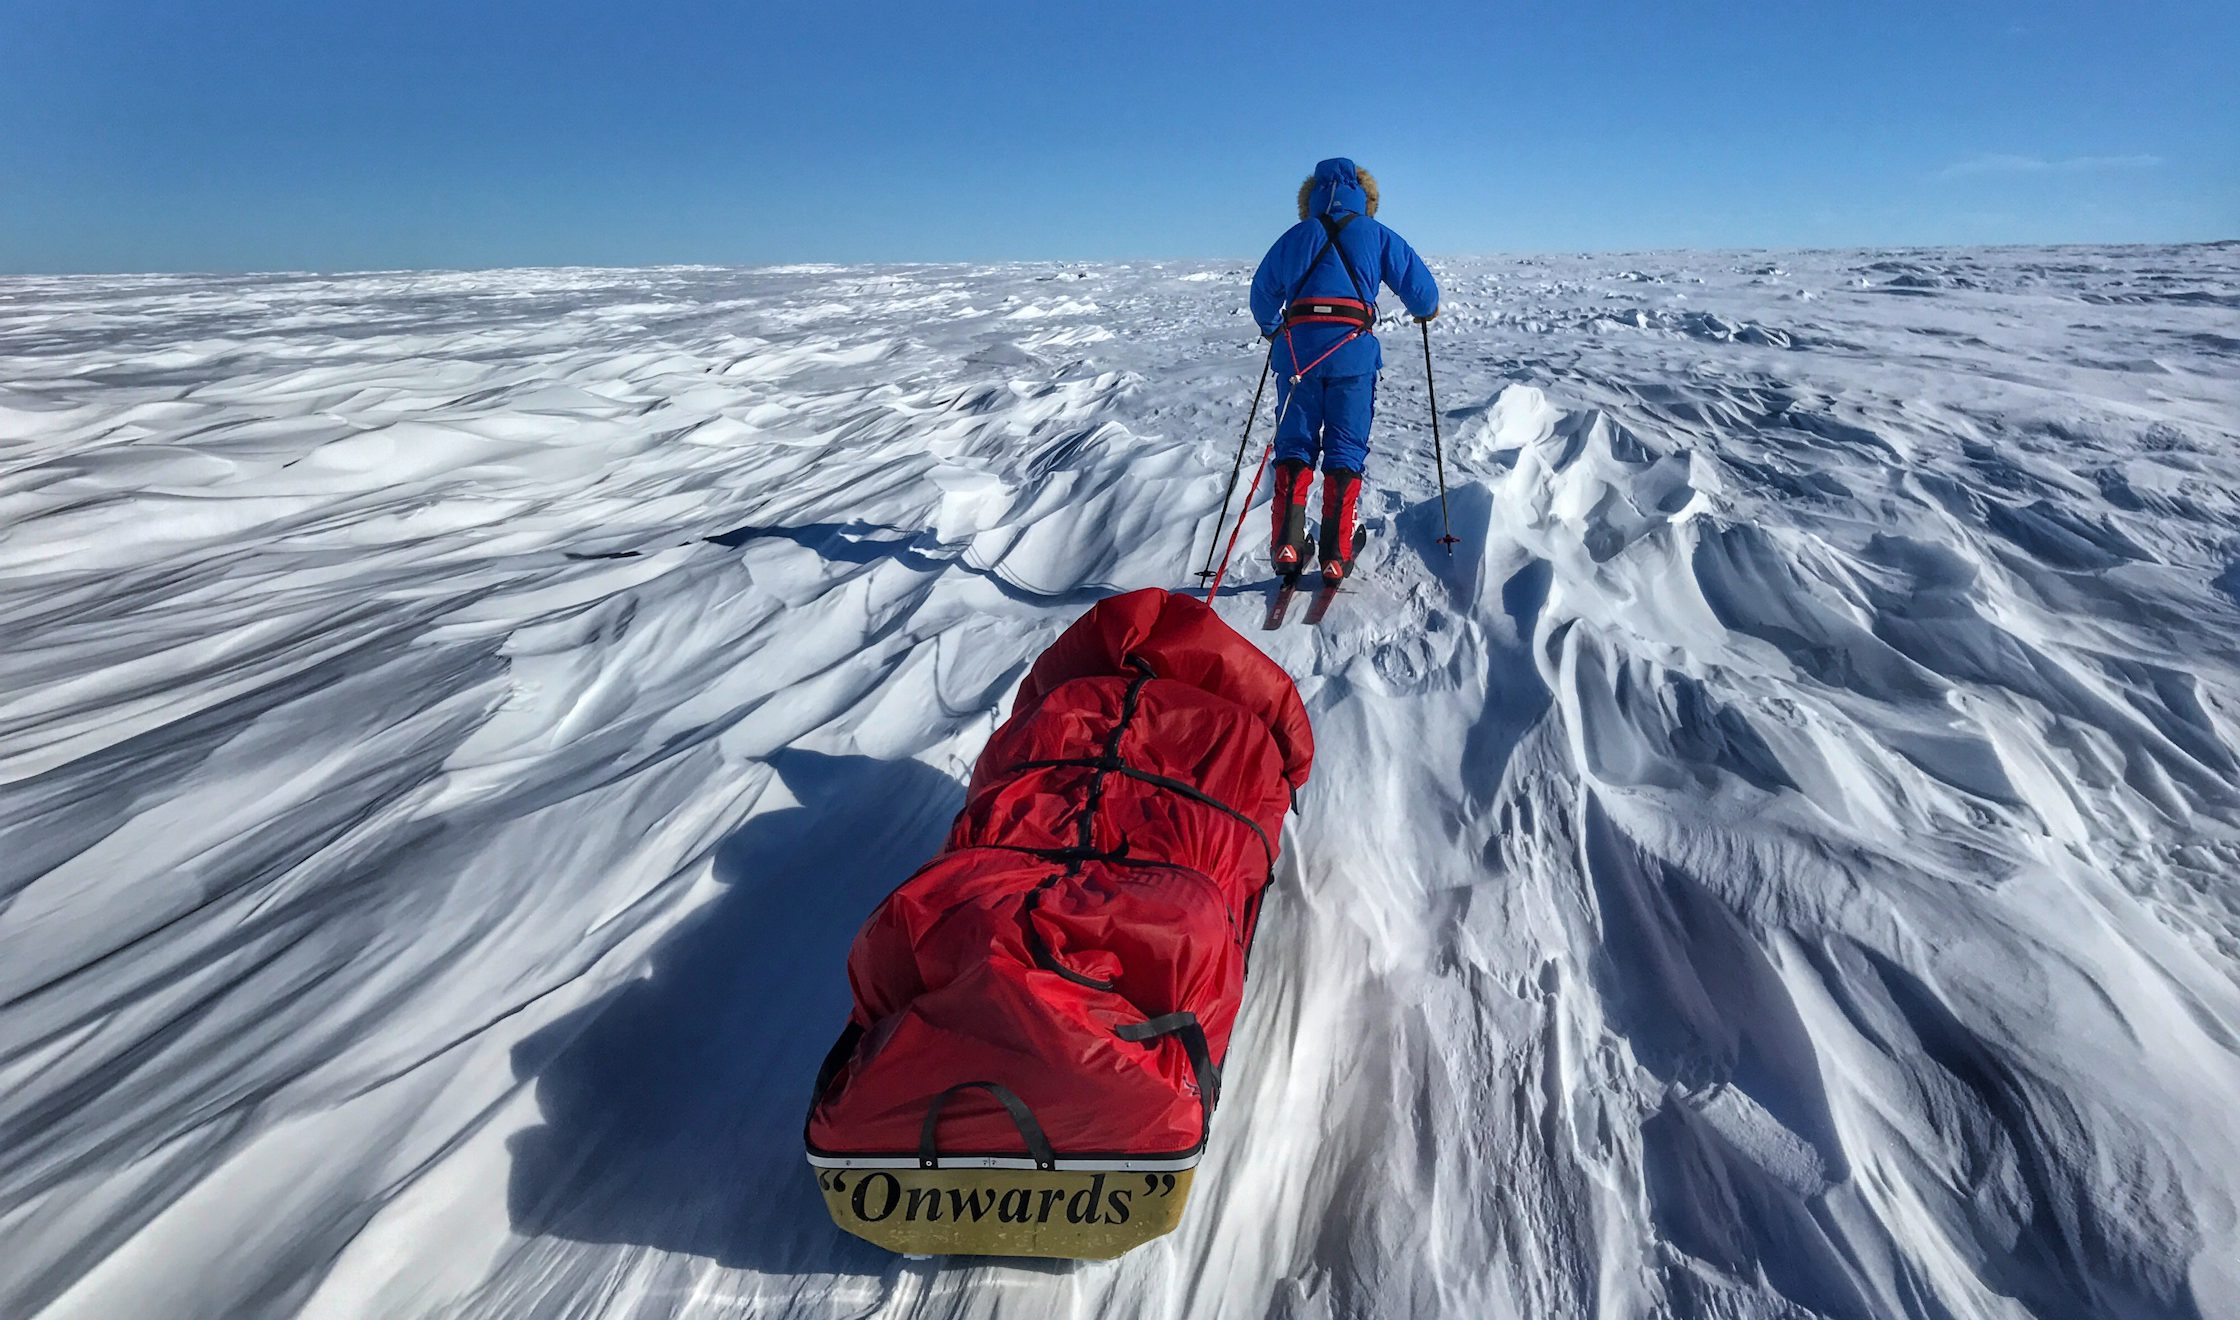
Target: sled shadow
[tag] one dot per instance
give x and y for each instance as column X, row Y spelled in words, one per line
column 673, row 1106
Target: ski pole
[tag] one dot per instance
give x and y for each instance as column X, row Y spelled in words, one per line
column 1215, row 589
column 1250, row 495
column 1267, row 364
column 1438, row 449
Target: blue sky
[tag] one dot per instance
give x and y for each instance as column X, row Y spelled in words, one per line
column 337, row 134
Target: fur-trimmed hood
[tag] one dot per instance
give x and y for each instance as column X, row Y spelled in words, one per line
column 1336, row 187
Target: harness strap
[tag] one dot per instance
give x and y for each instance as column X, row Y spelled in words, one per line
column 1331, row 311
column 1330, row 231
column 1299, row 373
column 1334, row 229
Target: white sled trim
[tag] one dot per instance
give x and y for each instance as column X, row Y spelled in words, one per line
column 1147, row 1165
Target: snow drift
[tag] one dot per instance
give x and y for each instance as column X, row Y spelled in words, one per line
column 451, row 727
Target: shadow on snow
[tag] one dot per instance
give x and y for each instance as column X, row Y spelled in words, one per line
column 673, row 1106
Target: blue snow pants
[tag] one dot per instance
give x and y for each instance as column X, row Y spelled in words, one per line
column 1327, row 418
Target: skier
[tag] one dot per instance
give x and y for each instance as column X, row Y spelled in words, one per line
column 1316, row 291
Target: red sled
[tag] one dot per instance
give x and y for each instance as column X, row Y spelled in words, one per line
column 1042, row 1012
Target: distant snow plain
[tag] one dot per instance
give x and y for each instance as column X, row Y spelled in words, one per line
column 1785, row 862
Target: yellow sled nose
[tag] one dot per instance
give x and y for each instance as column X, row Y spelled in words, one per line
column 1062, row 1213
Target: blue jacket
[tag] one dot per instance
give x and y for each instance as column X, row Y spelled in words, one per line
column 1377, row 254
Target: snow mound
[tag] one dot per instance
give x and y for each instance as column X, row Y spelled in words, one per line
column 1780, row 863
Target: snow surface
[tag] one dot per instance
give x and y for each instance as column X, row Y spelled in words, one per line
column 1784, row 864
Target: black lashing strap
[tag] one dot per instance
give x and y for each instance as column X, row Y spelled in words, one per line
column 835, row 1059
column 1039, row 948
column 1038, row 1145
column 1072, row 858
column 1085, row 847
column 1111, row 762
column 1114, row 765
column 1111, row 755
column 1184, row 1027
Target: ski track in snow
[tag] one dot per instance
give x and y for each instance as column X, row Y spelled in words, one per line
column 451, row 726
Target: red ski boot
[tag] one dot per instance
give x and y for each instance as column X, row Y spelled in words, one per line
column 1341, row 531
column 1288, row 545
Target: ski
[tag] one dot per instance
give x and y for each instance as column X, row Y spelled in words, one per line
column 1279, row 605
column 1328, row 591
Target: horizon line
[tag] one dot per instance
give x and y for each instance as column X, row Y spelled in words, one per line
column 813, row 263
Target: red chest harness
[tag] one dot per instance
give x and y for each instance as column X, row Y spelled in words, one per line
column 1359, row 313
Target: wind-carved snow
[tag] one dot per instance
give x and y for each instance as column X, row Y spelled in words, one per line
column 1782, row 864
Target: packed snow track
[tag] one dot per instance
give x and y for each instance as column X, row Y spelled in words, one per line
column 1785, row 863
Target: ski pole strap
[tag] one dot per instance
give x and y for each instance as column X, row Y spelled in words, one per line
column 1038, row 1145
column 1183, row 1026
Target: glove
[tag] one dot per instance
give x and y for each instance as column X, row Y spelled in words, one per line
column 1426, row 320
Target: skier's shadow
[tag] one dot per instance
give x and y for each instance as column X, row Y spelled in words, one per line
column 673, row 1107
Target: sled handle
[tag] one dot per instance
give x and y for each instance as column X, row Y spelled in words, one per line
column 1184, row 1027
column 1022, row 1118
